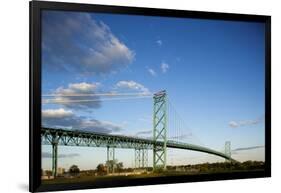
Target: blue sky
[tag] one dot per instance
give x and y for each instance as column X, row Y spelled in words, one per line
column 213, row 72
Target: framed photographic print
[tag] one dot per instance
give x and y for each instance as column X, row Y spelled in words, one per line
column 126, row 96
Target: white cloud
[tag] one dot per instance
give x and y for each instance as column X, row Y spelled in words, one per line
column 164, row 67
column 76, row 88
column 159, row 42
column 131, row 85
column 76, row 42
column 235, row 124
column 75, row 92
column 83, row 87
column 151, row 72
column 61, row 118
column 56, row 113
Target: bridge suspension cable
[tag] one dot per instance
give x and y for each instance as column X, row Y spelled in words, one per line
column 94, row 97
column 59, row 101
column 110, row 94
column 178, row 130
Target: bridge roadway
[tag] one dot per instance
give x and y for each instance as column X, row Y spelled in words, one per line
column 92, row 139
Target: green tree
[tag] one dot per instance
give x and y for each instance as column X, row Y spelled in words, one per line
column 101, row 169
column 119, row 166
column 74, row 170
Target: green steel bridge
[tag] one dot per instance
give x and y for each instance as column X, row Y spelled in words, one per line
column 158, row 143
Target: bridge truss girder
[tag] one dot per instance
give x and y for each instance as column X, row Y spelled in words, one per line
column 56, row 137
column 78, row 138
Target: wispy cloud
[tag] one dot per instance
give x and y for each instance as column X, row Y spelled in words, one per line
column 181, row 137
column 235, row 124
column 49, row 155
column 248, row 148
column 164, row 67
column 146, row 119
column 144, row 132
column 151, row 72
column 75, row 42
column 159, row 42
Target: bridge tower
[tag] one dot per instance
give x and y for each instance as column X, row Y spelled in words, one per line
column 160, row 130
column 227, row 148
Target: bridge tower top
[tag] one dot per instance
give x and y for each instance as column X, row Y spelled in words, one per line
column 160, row 93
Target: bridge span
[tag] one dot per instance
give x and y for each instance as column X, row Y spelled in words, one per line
column 158, row 143
column 64, row 137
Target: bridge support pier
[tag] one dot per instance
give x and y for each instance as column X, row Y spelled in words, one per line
column 137, row 158
column 141, row 158
column 110, row 163
column 144, row 158
column 160, row 130
column 54, row 156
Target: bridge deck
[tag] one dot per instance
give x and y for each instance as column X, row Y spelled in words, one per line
column 92, row 139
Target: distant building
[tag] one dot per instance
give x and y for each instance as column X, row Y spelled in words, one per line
column 60, row 171
column 47, row 177
column 44, row 173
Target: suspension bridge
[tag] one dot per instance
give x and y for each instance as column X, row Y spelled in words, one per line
column 158, row 143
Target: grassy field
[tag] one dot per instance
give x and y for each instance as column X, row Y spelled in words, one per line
column 81, row 179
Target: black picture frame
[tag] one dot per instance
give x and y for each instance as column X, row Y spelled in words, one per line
column 35, row 93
